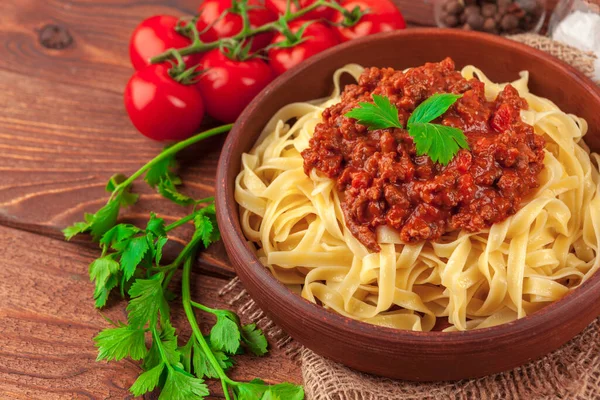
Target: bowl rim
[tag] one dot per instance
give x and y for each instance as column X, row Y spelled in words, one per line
column 228, row 214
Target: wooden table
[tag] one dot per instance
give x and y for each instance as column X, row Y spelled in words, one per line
column 63, row 132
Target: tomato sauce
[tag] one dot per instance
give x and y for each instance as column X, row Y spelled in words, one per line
column 381, row 179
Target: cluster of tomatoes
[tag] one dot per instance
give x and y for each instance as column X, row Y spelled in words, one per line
column 167, row 100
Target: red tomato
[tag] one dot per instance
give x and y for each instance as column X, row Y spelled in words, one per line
column 160, row 107
column 228, row 86
column 154, row 36
column 278, row 7
column 231, row 24
column 383, row 16
column 318, row 36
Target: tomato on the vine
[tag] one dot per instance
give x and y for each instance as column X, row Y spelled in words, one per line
column 214, row 25
column 381, row 16
column 322, row 12
column 160, row 107
column 154, row 36
column 228, row 86
column 317, row 37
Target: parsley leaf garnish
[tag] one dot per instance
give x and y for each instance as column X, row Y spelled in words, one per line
column 147, row 381
column 205, row 223
column 133, row 252
column 162, row 177
column 147, row 299
column 225, row 335
column 118, row 343
column 382, row 114
column 254, row 339
column 439, row 142
column 435, row 106
column 105, row 272
column 181, row 386
column 257, row 389
column 195, row 361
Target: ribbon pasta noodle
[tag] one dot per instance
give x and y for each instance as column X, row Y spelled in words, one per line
column 514, row 268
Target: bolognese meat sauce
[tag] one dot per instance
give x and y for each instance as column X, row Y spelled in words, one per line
column 381, row 179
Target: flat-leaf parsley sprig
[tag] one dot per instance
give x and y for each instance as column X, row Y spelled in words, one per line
column 131, row 263
column 439, row 142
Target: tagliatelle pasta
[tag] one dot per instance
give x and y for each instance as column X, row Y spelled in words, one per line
column 475, row 279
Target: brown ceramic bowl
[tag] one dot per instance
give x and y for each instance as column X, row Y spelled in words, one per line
column 393, row 353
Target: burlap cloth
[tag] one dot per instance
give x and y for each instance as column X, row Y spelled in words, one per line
column 572, row 372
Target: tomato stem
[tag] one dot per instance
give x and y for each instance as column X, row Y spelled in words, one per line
column 198, row 46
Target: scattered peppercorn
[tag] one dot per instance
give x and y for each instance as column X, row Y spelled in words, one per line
column 454, row 7
column 488, row 10
column 492, row 16
column 475, row 21
column 451, row 20
column 489, row 25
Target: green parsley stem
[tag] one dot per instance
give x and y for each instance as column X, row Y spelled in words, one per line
column 189, row 312
column 187, row 251
column 205, row 200
column 168, row 278
column 159, row 346
column 189, row 217
column 203, row 307
column 171, row 268
column 185, row 254
column 180, row 222
column 169, row 152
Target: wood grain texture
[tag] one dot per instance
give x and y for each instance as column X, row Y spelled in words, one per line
column 63, row 127
column 48, row 321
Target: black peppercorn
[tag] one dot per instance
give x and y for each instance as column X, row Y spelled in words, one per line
column 454, row 7
column 451, row 21
column 493, row 16
column 509, row 22
column 489, row 25
column 471, row 10
column 475, row 21
column 488, row 10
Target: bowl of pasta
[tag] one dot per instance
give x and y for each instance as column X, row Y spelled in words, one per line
column 421, row 204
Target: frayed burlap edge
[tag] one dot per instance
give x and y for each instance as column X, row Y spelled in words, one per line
column 572, row 372
column 236, row 296
column 581, row 60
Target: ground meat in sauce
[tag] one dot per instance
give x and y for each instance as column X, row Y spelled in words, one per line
column 384, row 182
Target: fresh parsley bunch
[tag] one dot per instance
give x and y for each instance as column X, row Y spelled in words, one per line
column 131, row 263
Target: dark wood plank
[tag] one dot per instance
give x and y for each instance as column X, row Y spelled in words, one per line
column 416, row 12
column 48, row 322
